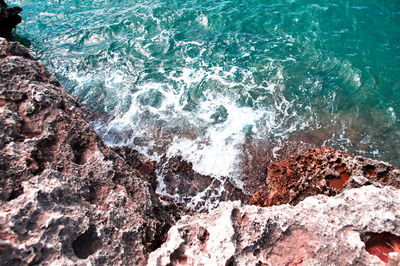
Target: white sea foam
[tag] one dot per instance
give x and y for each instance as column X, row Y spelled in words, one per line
column 216, row 150
column 217, row 146
column 203, row 20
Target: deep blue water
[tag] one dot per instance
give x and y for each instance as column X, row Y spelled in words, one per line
column 200, row 78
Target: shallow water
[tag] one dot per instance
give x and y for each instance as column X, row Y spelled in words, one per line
column 227, row 82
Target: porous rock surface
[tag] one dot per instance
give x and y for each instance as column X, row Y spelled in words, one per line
column 320, row 230
column 66, row 197
column 320, row 171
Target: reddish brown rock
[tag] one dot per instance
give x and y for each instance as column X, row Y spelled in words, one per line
column 320, row 171
column 66, row 197
column 258, row 154
column 255, row 157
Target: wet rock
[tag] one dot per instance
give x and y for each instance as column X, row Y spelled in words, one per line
column 181, row 179
column 197, row 191
column 320, row 171
column 9, row 19
column 317, row 231
column 256, row 156
column 66, row 197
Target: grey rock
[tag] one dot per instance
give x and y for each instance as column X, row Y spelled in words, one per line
column 320, row 230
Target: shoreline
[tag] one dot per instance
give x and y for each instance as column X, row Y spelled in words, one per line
column 371, row 144
column 68, row 198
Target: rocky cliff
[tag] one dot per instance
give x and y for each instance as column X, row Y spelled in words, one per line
column 67, row 198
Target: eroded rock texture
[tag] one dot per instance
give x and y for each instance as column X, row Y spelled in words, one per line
column 320, row 171
column 66, row 197
column 320, row 230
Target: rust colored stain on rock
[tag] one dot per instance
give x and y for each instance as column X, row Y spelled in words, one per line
column 295, row 263
column 258, row 198
column 338, row 182
column 381, row 244
column 371, row 172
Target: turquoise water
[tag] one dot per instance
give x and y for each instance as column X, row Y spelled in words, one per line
column 203, row 78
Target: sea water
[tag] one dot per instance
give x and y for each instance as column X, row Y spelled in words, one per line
column 220, row 82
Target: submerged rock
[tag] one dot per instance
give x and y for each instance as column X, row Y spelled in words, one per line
column 319, row 230
column 9, row 19
column 66, row 197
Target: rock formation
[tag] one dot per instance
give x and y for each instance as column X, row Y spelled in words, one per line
column 9, row 19
column 320, row 171
column 66, row 197
column 358, row 227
